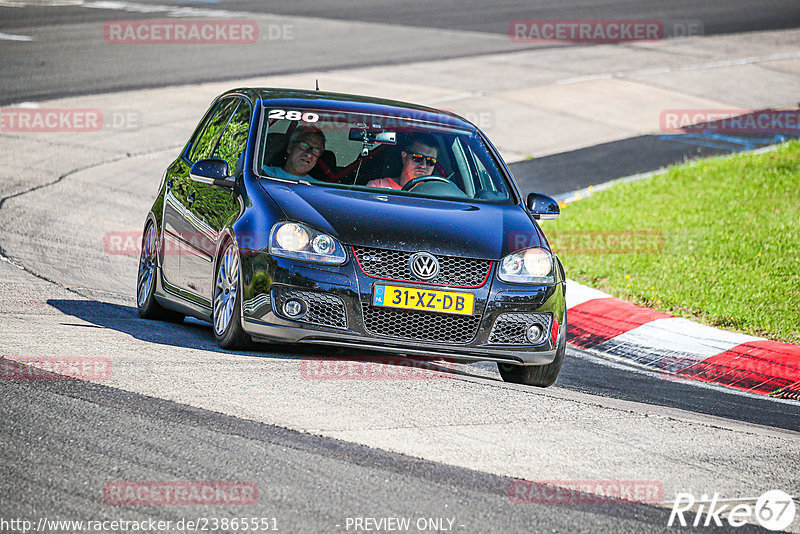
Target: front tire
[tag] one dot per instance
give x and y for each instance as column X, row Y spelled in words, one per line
column 537, row 375
column 227, row 316
column 146, row 302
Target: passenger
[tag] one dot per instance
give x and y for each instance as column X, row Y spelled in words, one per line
column 418, row 159
column 305, row 146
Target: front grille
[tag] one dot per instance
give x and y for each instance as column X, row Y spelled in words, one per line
column 421, row 326
column 321, row 308
column 510, row 328
column 393, row 264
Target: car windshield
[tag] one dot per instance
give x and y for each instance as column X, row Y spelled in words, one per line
column 380, row 153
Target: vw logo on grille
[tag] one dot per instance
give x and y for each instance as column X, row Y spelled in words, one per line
column 424, row 265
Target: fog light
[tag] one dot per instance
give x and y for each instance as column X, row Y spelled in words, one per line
column 293, row 308
column 533, row 333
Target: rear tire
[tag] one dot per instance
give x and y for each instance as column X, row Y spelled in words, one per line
column 537, row 375
column 146, row 302
column 227, row 314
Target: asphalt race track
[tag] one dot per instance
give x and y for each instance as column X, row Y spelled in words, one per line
column 447, row 452
column 69, row 55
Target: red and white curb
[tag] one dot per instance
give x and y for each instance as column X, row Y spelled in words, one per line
column 616, row 329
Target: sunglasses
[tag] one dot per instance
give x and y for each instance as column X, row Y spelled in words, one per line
column 305, row 147
column 419, row 158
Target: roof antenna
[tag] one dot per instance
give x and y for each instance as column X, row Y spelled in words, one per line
column 317, row 82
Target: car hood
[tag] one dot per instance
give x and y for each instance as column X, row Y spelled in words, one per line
column 448, row 227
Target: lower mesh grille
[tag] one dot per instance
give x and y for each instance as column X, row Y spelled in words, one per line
column 510, row 328
column 421, row 326
column 321, row 308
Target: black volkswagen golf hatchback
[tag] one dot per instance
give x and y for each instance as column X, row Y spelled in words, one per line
column 311, row 217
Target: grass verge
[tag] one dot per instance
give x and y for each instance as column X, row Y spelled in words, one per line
column 716, row 241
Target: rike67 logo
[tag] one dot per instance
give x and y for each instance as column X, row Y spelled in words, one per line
column 774, row 510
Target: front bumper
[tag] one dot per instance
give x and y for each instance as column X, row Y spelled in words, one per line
column 287, row 334
column 265, row 277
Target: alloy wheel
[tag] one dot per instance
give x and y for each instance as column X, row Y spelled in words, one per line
column 147, row 267
column 225, row 289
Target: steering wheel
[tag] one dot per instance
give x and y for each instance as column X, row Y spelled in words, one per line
column 411, row 184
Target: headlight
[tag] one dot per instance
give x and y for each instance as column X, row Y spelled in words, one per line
column 529, row 266
column 294, row 240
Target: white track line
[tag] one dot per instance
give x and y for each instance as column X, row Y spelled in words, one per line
column 12, row 37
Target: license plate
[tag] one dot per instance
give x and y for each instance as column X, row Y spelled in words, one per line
column 411, row 298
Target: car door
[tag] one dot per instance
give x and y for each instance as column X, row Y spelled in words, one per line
column 211, row 207
column 194, row 212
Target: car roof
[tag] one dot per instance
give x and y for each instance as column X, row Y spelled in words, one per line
column 351, row 103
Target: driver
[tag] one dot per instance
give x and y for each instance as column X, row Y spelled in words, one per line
column 305, row 146
column 418, row 158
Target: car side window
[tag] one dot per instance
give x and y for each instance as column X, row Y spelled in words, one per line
column 233, row 141
column 206, row 141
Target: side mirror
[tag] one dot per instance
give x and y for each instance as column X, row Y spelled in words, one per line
column 211, row 172
column 543, row 207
